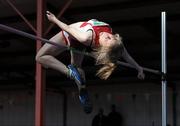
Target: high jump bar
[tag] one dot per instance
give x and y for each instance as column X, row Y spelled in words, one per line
column 31, row 36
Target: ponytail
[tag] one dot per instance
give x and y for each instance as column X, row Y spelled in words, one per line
column 105, row 71
column 108, row 56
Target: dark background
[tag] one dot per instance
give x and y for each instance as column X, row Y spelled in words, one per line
column 137, row 21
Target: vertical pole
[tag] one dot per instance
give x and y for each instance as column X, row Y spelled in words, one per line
column 40, row 79
column 163, row 67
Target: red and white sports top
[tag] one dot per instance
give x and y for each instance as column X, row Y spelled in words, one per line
column 94, row 25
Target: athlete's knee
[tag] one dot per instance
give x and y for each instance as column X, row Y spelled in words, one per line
column 41, row 58
column 38, row 58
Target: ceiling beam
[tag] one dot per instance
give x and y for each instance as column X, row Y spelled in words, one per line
column 117, row 6
column 99, row 8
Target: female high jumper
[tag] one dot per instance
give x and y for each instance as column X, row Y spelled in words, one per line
column 107, row 49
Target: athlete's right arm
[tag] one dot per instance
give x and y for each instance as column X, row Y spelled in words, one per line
column 79, row 35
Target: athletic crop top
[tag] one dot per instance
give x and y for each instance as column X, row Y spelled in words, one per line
column 97, row 27
column 94, row 25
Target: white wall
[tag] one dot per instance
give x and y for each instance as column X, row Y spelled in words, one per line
column 143, row 110
column 18, row 109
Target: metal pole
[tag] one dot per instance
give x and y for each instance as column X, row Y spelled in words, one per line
column 163, row 67
column 40, row 75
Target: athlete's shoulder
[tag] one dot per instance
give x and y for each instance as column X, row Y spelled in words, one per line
column 96, row 22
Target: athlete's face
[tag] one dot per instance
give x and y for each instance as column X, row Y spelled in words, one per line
column 106, row 39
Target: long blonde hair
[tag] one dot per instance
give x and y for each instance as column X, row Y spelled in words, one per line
column 107, row 57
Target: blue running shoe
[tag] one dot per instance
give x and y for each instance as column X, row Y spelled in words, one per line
column 85, row 101
column 74, row 74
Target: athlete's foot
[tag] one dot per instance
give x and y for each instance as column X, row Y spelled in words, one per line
column 74, row 74
column 85, row 100
column 83, row 94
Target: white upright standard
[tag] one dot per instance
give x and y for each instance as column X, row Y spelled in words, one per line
column 163, row 67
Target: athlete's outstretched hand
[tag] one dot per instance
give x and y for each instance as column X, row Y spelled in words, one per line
column 51, row 17
column 141, row 74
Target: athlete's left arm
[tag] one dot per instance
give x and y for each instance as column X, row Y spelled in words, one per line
column 79, row 35
column 126, row 56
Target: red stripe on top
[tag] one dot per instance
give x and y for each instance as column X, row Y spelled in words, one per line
column 98, row 29
column 65, row 39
